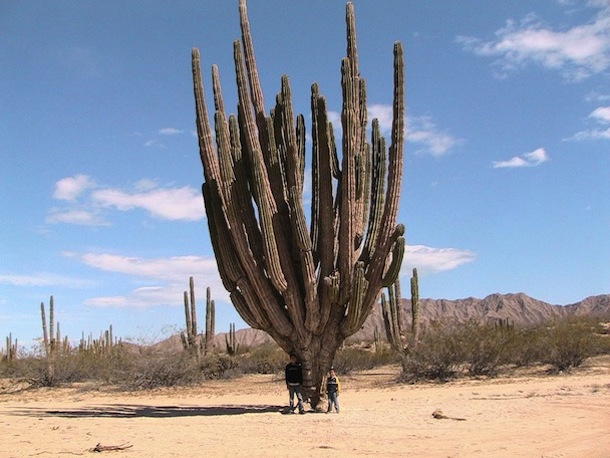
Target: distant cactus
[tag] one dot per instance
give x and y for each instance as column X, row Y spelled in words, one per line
column 11, row 349
column 192, row 341
column 377, row 340
column 49, row 342
column 50, row 339
column 210, row 312
column 231, row 340
column 104, row 345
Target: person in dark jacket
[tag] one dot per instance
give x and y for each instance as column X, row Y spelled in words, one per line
column 332, row 390
column 294, row 380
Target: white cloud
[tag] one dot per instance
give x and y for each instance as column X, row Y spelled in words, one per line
column 577, row 52
column 420, row 130
column 43, row 280
column 602, row 116
column 595, row 96
column 169, row 277
column 184, row 203
column 335, row 118
column 423, row 131
column 75, row 216
column 70, row 188
column 168, row 203
column 429, row 260
column 532, row 159
column 170, row 131
column 384, row 113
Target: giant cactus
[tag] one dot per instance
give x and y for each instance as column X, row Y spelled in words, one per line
column 308, row 287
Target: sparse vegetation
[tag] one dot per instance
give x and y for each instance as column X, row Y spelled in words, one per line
column 449, row 350
column 445, row 351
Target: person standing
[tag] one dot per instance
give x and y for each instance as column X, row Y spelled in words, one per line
column 294, row 380
column 332, row 390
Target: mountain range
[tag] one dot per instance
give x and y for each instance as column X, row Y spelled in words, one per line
column 519, row 309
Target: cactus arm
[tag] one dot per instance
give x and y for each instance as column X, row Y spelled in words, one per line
column 393, row 270
column 45, row 333
column 256, row 92
column 415, row 325
column 193, row 307
column 261, row 189
column 377, row 189
column 52, row 341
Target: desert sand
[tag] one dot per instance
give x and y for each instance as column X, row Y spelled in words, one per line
column 528, row 414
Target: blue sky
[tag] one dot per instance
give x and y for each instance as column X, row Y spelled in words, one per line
column 507, row 157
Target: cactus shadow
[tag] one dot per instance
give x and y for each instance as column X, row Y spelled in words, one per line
column 147, row 411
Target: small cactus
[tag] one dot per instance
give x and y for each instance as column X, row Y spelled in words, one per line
column 191, row 340
column 11, row 349
column 377, row 340
column 231, row 341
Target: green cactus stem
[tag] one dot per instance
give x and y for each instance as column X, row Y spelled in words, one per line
column 231, row 342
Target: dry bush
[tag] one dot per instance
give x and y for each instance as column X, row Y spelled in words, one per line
column 483, row 347
column 567, row 343
column 437, row 356
column 267, row 358
column 445, row 351
column 356, row 358
column 472, row 348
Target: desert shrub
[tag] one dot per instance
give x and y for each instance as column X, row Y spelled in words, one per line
column 525, row 348
column 437, row 356
column 267, row 358
column 567, row 343
column 355, row 358
column 483, row 347
column 156, row 370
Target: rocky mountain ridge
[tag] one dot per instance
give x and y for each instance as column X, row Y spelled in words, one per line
column 518, row 308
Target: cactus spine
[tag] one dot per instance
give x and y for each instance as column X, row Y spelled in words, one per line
column 311, row 287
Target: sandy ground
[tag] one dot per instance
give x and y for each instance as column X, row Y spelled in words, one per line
column 527, row 415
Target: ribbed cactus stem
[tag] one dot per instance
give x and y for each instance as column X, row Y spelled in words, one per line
column 45, row 332
column 57, row 338
column 415, row 325
column 52, row 341
column 193, row 307
column 231, row 340
column 189, row 325
column 209, row 320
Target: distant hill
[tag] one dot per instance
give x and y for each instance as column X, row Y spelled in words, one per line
column 519, row 309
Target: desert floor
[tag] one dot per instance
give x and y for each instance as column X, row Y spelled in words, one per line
column 529, row 414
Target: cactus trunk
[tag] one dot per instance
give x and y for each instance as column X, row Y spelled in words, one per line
column 309, row 287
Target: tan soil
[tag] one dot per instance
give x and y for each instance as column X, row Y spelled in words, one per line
column 527, row 415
